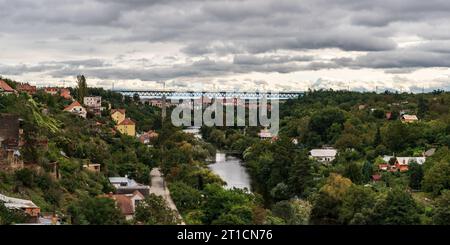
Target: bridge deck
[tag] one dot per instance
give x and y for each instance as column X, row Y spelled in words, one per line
column 210, row 94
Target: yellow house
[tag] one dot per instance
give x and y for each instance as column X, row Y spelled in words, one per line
column 118, row 115
column 127, row 127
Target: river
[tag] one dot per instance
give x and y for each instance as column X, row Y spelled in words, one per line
column 231, row 170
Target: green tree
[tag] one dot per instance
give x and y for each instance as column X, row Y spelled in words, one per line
column 437, row 178
column 136, row 98
column 82, row 88
column 219, row 201
column 415, row 175
column 367, row 171
column 327, row 202
column 96, row 211
column 293, row 212
column 357, row 205
column 300, row 174
column 154, row 211
column 8, row 217
column 395, row 136
column 353, row 172
column 422, row 107
column 185, row 197
column 280, row 191
column 323, row 120
column 442, row 212
column 399, row 208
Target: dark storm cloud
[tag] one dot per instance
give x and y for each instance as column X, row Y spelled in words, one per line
column 404, row 58
column 251, row 33
column 52, row 66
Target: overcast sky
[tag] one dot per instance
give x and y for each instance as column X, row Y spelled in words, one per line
column 235, row 44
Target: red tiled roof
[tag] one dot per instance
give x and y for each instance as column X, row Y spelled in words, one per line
column 51, row 89
column 118, row 110
column 65, row 93
column 124, row 201
column 127, row 121
column 71, row 106
column 4, row 86
column 376, row 177
column 26, row 87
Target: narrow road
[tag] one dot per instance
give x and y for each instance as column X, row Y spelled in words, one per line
column 159, row 188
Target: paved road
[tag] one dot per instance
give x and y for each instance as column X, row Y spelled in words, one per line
column 159, row 188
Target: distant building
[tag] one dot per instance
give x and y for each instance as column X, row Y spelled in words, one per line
column 51, row 90
column 265, row 134
column 405, row 160
column 376, row 177
column 94, row 104
column 26, row 206
column 408, row 160
column 127, row 203
column 155, row 102
column 399, row 164
column 124, row 185
column 148, row 137
column 127, row 127
column 10, row 141
column 93, row 167
column 5, row 89
column 26, row 88
column 118, row 115
column 325, row 155
column 409, row 118
column 77, row 109
column 65, row 93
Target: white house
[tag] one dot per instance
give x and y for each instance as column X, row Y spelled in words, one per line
column 325, row 155
column 124, row 185
column 77, row 109
column 94, row 103
column 405, row 160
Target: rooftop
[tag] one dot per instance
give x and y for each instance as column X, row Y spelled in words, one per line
column 123, row 180
column 71, row 106
column 5, row 87
column 11, row 202
column 323, row 152
column 127, row 121
column 122, row 111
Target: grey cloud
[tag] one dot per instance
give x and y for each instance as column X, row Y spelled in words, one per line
column 273, row 59
column 252, row 33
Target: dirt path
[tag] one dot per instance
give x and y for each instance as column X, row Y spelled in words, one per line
column 159, row 188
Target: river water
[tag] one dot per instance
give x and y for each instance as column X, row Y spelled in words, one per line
column 231, row 170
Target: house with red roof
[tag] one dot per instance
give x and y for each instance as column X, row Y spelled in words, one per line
column 65, row 93
column 51, row 90
column 26, row 88
column 6, row 89
column 148, row 137
column 77, row 109
column 127, row 127
column 127, row 203
column 118, row 115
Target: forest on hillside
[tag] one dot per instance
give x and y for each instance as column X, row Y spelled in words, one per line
column 288, row 186
column 363, row 127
